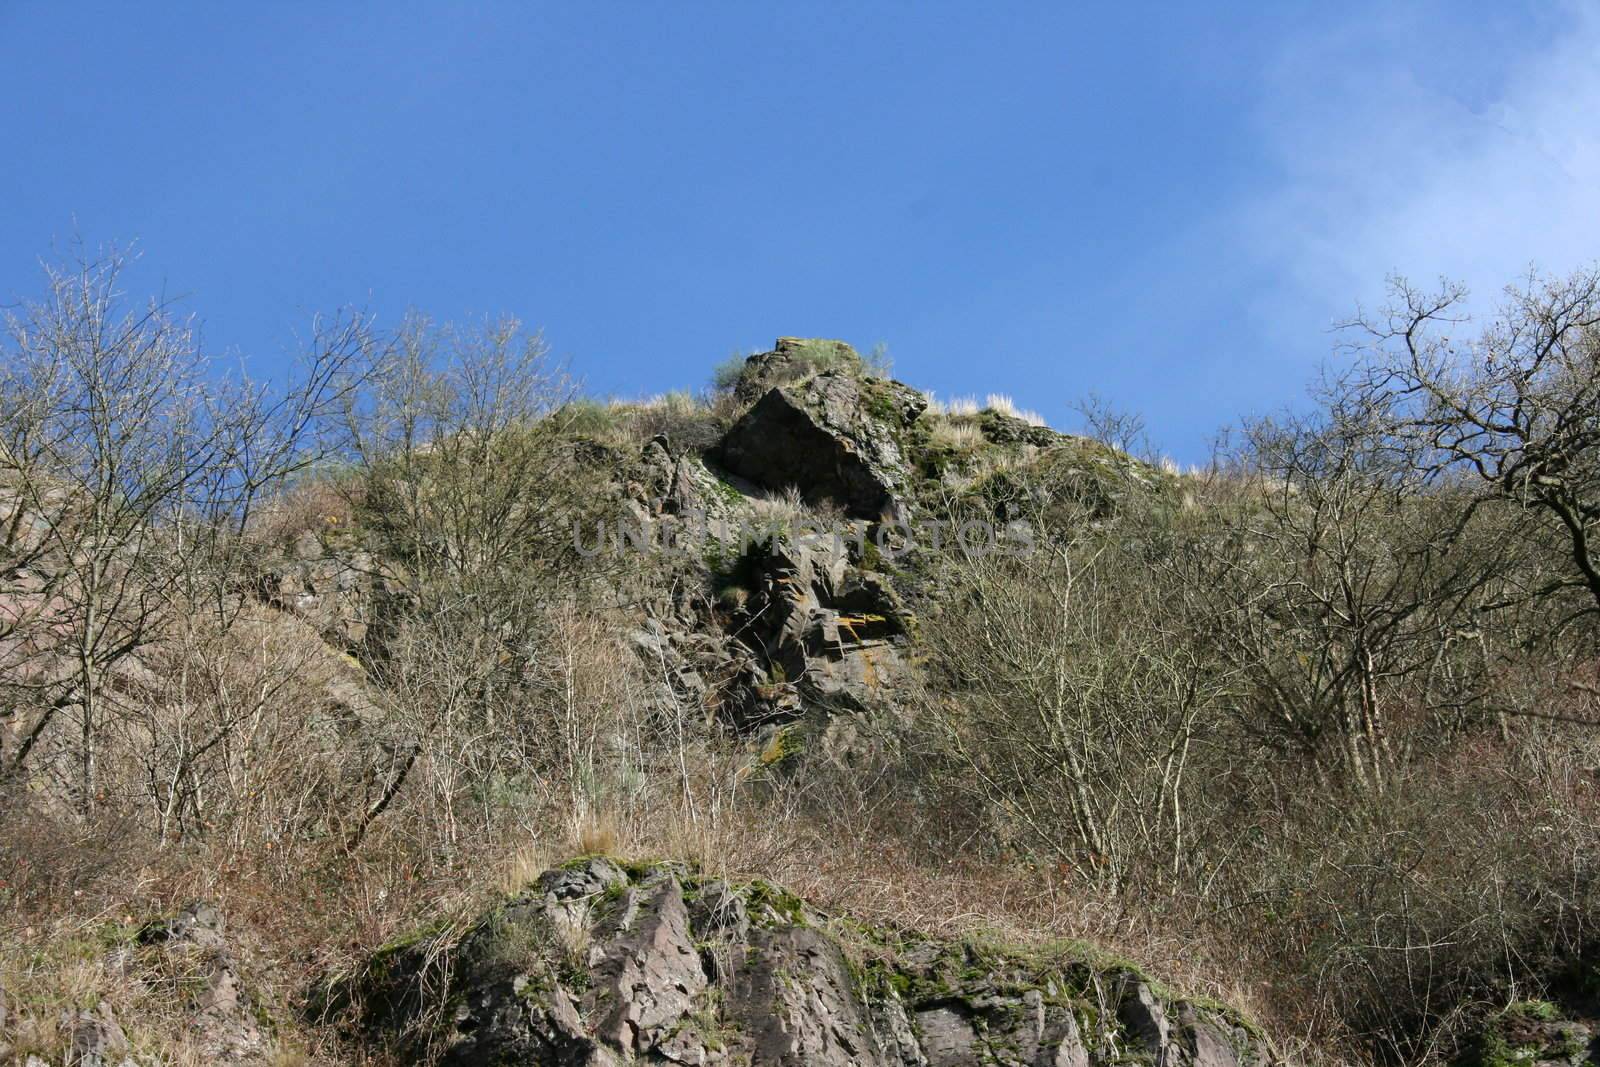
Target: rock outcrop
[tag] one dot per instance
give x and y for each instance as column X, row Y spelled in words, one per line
column 674, row 482
column 184, row 966
column 1536, row 1033
column 337, row 591
column 595, row 964
column 836, row 437
column 792, row 359
column 829, row 633
column 222, row 1019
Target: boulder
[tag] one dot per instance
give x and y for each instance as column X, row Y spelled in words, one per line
column 792, row 359
column 223, row 1018
column 665, row 966
column 94, row 1038
column 1001, row 429
column 1142, row 1015
column 669, row 481
column 648, row 974
column 793, row 1002
column 836, row 437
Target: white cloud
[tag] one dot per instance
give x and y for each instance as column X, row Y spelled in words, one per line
column 1399, row 155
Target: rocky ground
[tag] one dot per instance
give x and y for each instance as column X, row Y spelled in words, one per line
column 597, row 963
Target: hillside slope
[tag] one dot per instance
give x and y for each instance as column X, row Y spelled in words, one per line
column 808, row 722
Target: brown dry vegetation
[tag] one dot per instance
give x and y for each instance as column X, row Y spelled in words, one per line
column 1315, row 734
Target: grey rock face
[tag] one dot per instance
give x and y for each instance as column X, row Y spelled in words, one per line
column 791, row 359
column 94, row 1037
column 956, row 1035
column 224, row 1019
column 338, row 593
column 811, row 629
column 649, row 972
column 1144, row 1017
column 834, row 634
column 583, row 882
column 662, row 966
column 793, row 1003
column 835, row 437
column 672, row 482
column 1204, row 1043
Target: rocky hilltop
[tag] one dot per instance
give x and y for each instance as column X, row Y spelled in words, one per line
column 803, row 532
column 819, row 610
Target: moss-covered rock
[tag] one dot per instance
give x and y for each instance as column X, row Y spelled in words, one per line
column 600, row 963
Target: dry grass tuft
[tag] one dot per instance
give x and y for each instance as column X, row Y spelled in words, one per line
column 599, row 834
column 523, row 866
column 1004, row 405
column 782, row 508
column 960, row 436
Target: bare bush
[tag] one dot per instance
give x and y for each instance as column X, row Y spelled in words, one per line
column 1072, row 710
column 130, row 472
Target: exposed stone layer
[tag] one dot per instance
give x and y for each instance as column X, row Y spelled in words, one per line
column 834, row 437
column 595, row 964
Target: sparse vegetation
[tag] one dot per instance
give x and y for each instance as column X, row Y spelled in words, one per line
column 1004, row 405
column 1312, row 732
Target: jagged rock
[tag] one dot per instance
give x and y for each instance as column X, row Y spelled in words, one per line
column 582, row 882
column 1141, row 1013
column 680, row 969
column 1202, row 1043
column 649, row 973
column 696, row 665
column 810, row 628
column 508, row 983
column 671, row 482
column 1002, row 429
column 341, row 594
column 1072, row 478
column 835, row 437
column 948, row 1036
column 793, row 1003
column 828, row 632
column 791, row 359
column 1178, row 1034
column 223, row 1020
column 902, row 1045
column 94, row 1038
column 719, row 913
column 986, row 1020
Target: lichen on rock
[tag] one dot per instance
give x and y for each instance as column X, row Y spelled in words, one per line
column 678, row 968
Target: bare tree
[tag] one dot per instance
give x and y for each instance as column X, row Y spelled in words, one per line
column 1121, row 429
column 471, row 487
column 1514, row 406
column 129, row 465
column 1073, row 709
column 459, row 439
column 1345, row 591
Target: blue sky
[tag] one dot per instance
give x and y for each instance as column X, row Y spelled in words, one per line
column 1165, row 204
